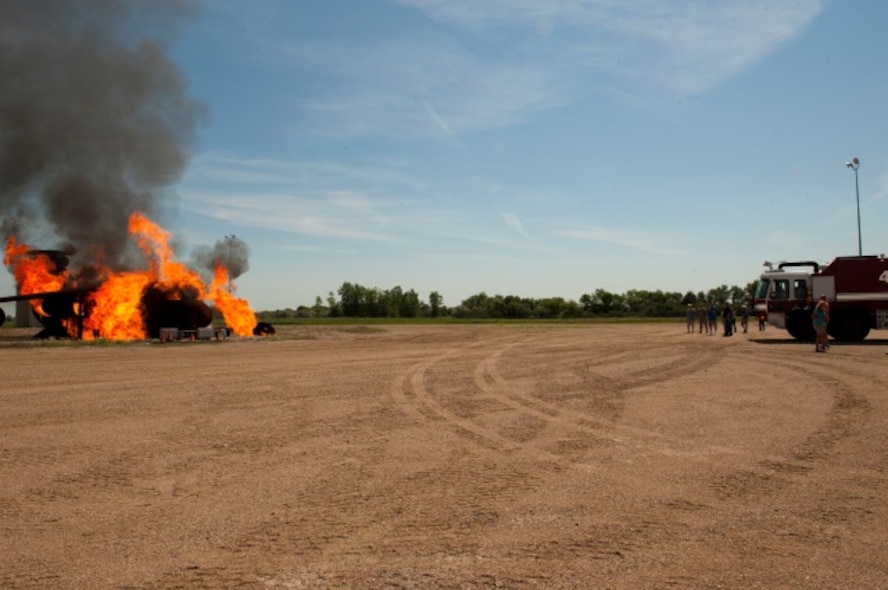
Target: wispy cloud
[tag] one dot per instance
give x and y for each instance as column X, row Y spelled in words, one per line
column 638, row 240
column 318, row 199
column 528, row 56
column 513, row 221
column 685, row 46
column 373, row 202
column 378, row 203
column 423, row 87
column 434, row 116
column 325, row 218
column 224, row 169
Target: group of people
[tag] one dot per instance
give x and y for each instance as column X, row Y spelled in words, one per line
column 706, row 318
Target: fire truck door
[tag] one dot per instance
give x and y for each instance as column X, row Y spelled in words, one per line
column 824, row 286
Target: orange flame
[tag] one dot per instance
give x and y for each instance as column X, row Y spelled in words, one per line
column 34, row 272
column 237, row 313
column 114, row 310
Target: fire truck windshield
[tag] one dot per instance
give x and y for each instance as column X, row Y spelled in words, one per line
column 761, row 292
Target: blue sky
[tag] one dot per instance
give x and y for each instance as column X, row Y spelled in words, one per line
column 529, row 147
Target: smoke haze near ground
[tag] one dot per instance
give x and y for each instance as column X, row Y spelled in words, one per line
column 95, row 120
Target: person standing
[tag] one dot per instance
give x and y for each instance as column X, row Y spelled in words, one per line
column 728, row 319
column 712, row 314
column 820, row 320
column 691, row 316
column 744, row 319
column 702, row 319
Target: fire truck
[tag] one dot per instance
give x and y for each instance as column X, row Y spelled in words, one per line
column 855, row 286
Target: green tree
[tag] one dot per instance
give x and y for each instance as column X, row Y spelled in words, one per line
column 350, row 299
column 334, row 310
column 358, row 301
column 556, row 308
column 410, row 306
column 512, row 307
column 475, row 306
column 719, row 295
column 435, row 303
column 391, row 302
column 603, row 303
column 739, row 296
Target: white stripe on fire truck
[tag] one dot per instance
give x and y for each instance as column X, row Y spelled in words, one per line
column 861, row 296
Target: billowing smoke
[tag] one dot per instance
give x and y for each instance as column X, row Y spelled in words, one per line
column 232, row 253
column 95, row 120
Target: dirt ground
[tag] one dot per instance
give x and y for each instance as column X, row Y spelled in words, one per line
column 468, row 456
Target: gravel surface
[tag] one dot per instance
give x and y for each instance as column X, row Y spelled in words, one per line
column 464, row 456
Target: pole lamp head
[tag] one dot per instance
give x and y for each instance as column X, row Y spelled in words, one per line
column 853, row 164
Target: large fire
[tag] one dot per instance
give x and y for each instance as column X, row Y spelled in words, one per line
column 115, row 309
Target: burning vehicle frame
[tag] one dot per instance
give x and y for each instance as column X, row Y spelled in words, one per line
column 130, row 304
column 166, row 319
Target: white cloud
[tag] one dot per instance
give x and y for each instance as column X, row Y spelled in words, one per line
column 226, row 169
column 434, row 116
column 527, row 56
column 332, row 217
column 513, row 221
column 423, row 87
column 377, row 202
column 687, row 47
column 373, row 202
column 644, row 241
column 478, row 15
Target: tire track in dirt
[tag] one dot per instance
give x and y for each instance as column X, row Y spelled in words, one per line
column 773, row 474
column 411, row 395
column 543, row 426
column 614, row 375
column 335, row 473
column 516, row 396
column 849, row 408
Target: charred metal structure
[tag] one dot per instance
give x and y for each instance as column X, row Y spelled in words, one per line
column 159, row 308
column 61, row 307
column 65, row 310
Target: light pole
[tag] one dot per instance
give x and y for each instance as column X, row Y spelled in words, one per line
column 854, row 165
column 230, row 240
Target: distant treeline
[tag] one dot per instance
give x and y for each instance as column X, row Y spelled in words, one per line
column 356, row 301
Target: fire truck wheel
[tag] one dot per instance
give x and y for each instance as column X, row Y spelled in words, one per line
column 799, row 326
column 848, row 326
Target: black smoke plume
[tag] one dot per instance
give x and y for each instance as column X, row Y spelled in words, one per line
column 95, row 120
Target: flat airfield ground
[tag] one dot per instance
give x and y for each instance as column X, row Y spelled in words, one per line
column 457, row 456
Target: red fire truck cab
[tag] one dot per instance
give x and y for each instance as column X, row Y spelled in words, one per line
column 856, row 287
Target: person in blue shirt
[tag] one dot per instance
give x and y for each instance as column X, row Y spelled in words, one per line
column 820, row 320
column 713, row 319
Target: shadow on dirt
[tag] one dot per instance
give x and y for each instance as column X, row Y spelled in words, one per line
column 869, row 342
